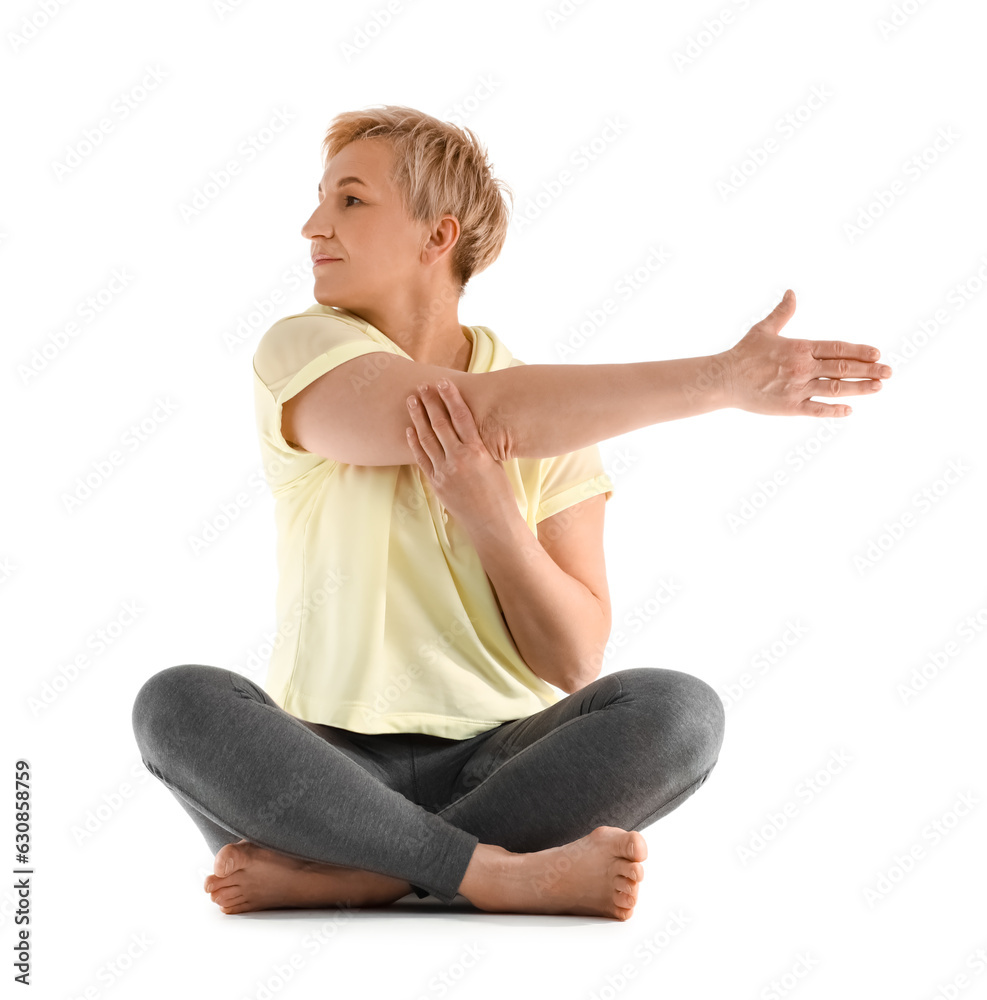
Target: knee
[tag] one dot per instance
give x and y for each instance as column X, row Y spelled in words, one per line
column 165, row 700
column 687, row 712
column 708, row 715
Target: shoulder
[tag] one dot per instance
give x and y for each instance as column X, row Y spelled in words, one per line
column 294, row 340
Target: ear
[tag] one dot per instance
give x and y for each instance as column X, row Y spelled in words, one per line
column 440, row 239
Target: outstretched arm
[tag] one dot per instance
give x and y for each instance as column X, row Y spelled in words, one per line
column 357, row 412
column 537, row 411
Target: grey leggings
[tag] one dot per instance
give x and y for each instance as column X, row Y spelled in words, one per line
column 622, row 751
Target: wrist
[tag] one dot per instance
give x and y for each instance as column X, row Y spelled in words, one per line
column 497, row 525
column 720, row 368
column 710, row 383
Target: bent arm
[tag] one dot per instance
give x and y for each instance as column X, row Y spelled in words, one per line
column 357, row 412
column 558, row 625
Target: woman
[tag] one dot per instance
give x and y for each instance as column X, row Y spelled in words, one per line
column 442, row 584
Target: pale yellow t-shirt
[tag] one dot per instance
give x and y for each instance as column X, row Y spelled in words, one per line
column 386, row 620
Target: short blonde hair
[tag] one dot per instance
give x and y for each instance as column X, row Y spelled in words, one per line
column 439, row 169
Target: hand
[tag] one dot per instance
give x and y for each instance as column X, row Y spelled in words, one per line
column 766, row 373
column 469, row 482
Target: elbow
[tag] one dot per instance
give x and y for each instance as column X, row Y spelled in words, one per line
column 494, row 425
column 577, row 684
column 589, row 663
column 498, row 442
column 496, row 435
column 587, row 670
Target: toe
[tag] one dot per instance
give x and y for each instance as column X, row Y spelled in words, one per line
column 228, row 895
column 633, row 870
column 635, row 848
column 212, row 883
column 627, row 888
column 623, row 896
column 228, row 859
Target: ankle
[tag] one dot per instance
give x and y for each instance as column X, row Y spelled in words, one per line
column 488, row 868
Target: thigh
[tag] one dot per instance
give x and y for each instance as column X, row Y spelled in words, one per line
column 446, row 770
column 230, row 754
column 387, row 756
column 623, row 750
column 681, row 707
column 518, row 735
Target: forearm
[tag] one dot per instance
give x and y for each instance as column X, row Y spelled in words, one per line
column 539, row 411
column 557, row 623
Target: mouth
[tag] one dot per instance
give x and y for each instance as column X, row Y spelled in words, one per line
column 318, row 261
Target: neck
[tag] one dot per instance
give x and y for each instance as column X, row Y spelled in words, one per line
column 441, row 341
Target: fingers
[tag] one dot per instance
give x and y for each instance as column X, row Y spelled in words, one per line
column 460, row 414
column 781, row 313
column 842, row 368
column 418, row 452
column 432, row 424
column 424, row 435
column 824, row 349
column 811, row 408
column 837, row 387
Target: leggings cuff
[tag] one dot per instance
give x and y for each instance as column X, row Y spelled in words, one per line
column 447, row 867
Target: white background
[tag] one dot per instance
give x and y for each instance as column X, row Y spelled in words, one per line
column 805, row 906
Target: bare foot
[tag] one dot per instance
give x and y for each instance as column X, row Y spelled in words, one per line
column 247, row 877
column 597, row 875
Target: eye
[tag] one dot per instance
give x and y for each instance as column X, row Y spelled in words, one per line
column 353, row 196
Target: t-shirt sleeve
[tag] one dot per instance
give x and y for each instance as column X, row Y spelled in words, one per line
column 565, row 480
column 291, row 355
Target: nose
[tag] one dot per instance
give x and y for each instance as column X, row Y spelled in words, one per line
column 318, row 224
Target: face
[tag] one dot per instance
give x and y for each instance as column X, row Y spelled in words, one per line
column 362, row 222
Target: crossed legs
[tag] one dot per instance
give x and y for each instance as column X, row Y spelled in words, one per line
column 538, row 815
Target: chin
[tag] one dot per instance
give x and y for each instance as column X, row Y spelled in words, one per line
column 326, row 299
column 336, row 301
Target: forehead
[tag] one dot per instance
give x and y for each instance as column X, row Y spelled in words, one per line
column 370, row 160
